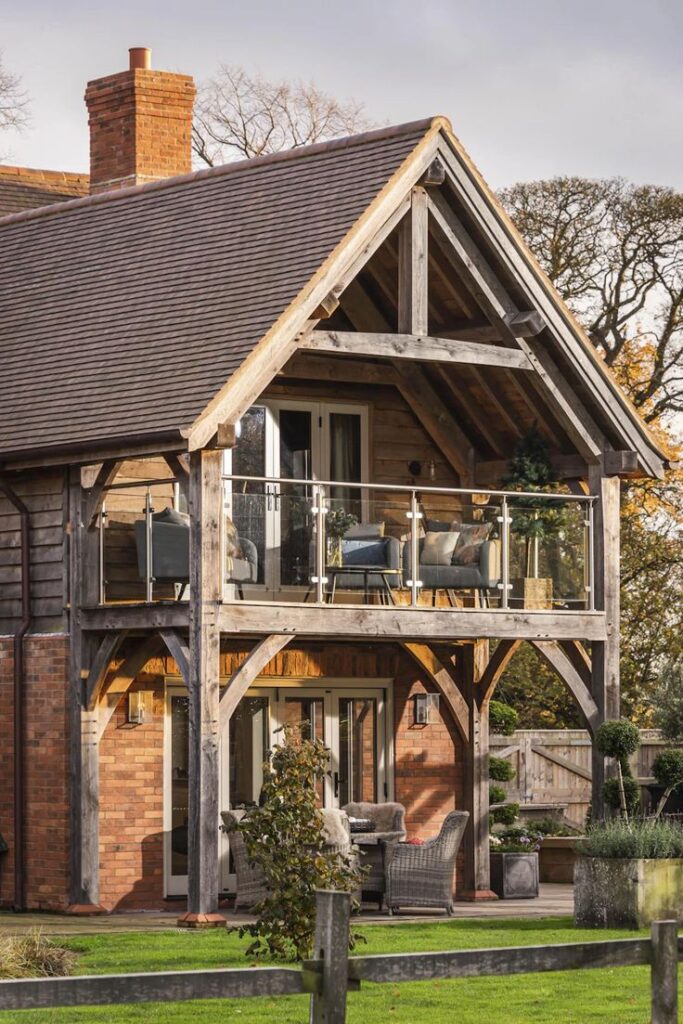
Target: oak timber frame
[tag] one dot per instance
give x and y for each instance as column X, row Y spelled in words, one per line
column 452, row 650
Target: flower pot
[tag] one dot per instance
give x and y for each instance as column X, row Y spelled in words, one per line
column 556, row 858
column 514, row 876
column 626, row 893
column 534, row 593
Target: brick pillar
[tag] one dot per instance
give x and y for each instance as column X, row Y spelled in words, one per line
column 140, row 125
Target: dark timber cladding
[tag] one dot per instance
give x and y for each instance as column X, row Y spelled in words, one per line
column 173, row 283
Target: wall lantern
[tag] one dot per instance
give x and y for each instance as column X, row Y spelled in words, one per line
column 140, row 707
column 426, row 708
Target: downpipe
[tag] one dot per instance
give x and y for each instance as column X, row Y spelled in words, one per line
column 19, row 902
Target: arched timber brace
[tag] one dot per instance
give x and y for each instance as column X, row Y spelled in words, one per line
column 496, row 665
column 249, row 670
column 429, row 661
column 558, row 660
column 179, row 651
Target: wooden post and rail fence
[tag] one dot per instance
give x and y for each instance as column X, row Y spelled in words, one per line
column 332, row 974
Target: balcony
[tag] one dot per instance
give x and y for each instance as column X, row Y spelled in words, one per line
column 331, row 544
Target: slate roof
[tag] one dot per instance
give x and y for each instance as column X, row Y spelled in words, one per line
column 122, row 315
column 23, row 188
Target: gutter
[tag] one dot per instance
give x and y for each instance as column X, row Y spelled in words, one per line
column 19, row 902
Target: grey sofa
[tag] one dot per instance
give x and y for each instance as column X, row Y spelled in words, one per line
column 482, row 577
column 375, row 551
column 171, row 551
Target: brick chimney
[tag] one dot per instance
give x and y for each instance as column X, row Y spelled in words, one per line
column 140, row 124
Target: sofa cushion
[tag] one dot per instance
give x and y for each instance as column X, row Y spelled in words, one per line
column 170, row 515
column 367, row 551
column 472, row 536
column 364, row 531
column 438, row 548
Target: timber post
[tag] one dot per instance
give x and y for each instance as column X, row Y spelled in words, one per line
column 84, row 732
column 470, row 663
column 331, row 945
column 605, row 653
column 205, row 487
column 664, row 972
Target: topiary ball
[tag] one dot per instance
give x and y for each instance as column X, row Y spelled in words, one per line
column 497, row 795
column 617, row 739
column 505, row 815
column 610, row 792
column 500, row 770
column 502, row 718
column 667, row 768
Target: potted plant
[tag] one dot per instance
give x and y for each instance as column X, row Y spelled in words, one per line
column 337, row 522
column 534, row 520
column 503, row 719
column 629, row 874
column 514, row 863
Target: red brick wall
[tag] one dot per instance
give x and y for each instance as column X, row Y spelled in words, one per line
column 428, row 761
column 140, row 127
column 46, row 775
column 132, row 807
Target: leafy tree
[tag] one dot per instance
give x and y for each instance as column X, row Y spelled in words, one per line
column 618, row 740
column 284, row 837
column 668, row 702
column 238, row 114
column 614, row 251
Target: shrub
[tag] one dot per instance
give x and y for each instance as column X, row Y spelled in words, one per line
column 497, row 795
column 518, row 839
column 505, row 815
column 284, row 837
column 667, row 701
column 612, row 794
column 34, row 956
column 500, row 770
column 667, row 769
column 646, row 839
column 502, row 718
column 551, row 827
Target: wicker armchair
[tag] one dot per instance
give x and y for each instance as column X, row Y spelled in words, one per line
column 422, row 876
column 390, row 827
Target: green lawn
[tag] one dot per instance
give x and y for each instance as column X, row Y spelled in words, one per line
column 618, row 996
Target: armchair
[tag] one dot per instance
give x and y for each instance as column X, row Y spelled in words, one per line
column 422, row 876
column 389, row 822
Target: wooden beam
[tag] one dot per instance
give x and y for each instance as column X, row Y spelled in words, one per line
column 496, row 665
column 437, row 420
column 527, row 324
column 511, row 423
column 413, row 286
column 430, row 663
column 178, row 467
column 562, row 762
column 339, row 371
column 553, row 654
column 249, row 670
column 125, row 675
column 206, row 501
column 98, row 669
column 404, row 623
column 179, row 650
column 226, row 435
column 621, row 464
column 327, row 307
column 435, row 174
column 363, row 313
column 498, row 306
column 579, row 657
column 459, row 395
column 415, row 347
column 95, row 495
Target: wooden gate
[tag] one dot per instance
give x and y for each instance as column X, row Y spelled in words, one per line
column 553, row 768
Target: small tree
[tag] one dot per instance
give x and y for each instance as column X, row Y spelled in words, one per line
column 618, row 740
column 667, row 769
column 284, row 837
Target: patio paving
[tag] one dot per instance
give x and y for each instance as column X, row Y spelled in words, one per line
column 554, row 900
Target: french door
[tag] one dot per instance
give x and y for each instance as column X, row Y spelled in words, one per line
column 298, row 441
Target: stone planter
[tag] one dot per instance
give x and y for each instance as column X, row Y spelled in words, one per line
column 514, row 876
column 623, row 893
column 556, row 858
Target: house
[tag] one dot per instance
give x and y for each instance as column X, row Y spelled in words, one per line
column 253, row 427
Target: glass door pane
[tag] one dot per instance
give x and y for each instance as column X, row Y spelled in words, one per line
column 248, row 502
column 345, row 456
column 308, row 715
column 296, row 460
column 357, row 750
column 179, row 789
column 249, row 741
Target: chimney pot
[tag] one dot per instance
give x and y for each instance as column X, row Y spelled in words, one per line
column 140, row 57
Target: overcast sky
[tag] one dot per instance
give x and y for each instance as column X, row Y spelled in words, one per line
column 533, row 87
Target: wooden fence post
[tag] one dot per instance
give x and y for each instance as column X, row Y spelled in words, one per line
column 664, row 972
column 332, row 912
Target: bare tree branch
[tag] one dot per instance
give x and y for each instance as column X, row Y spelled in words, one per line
column 14, row 102
column 242, row 115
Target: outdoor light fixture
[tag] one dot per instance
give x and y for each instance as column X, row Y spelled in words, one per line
column 426, row 708
column 140, row 707
column 415, row 468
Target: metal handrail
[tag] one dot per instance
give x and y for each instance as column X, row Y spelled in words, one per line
column 406, row 489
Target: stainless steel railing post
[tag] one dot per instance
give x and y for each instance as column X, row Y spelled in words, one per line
column 590, row 556
column 414, row 582
column 319, row 510
column 149, row 564
column 102, row 581
column 505, row 552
